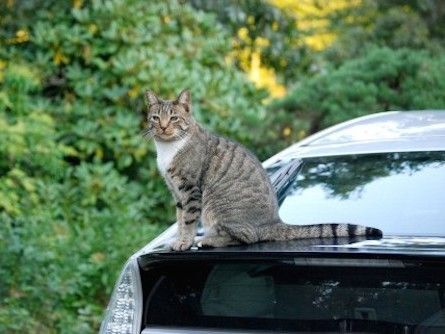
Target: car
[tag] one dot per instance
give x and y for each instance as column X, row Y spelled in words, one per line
column 385, row 170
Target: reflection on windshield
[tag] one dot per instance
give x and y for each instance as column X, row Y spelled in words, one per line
column 400, row 193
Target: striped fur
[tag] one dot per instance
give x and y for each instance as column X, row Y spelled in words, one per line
column 220, row 182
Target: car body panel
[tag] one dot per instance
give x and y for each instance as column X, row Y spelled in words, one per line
column 409, row 246
column 377, row 133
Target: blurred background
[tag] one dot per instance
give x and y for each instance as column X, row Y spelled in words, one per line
column 79, row 189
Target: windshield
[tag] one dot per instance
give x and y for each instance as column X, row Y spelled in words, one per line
column 399, row 193
column 286, row 296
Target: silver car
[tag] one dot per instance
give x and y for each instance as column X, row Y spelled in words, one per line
column 385, row 170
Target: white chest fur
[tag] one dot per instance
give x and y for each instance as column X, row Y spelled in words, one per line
column 166, row 151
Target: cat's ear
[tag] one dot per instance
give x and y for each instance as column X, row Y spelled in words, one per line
column 185, row 98
column 151, row 98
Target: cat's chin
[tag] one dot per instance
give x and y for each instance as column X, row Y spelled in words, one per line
column 166, row 138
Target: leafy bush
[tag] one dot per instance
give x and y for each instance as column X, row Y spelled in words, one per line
column 382, row 79
column 79, row 190
column 259, row 26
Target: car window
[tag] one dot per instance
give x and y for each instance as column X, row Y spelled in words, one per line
column 282, row 295
column 399, row 193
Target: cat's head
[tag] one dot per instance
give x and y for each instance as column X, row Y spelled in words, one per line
column 169, row 120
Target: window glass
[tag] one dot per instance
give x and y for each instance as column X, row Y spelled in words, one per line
column 399, row 193
column 285, row 296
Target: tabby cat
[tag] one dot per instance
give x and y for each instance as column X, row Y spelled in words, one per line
column 219, row 182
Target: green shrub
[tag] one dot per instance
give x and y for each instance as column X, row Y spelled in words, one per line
column 380, row 80
column 79, row 190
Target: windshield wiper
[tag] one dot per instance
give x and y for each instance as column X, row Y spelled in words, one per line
column 283, row 177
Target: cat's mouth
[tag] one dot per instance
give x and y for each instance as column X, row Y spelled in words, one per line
column 166, row 136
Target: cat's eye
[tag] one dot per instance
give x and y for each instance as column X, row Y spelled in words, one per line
column 174, row 118
column 155, row 118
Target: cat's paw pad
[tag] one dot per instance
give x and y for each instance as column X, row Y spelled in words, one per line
column 181, row 245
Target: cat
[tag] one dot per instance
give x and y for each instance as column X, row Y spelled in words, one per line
column 217, row 181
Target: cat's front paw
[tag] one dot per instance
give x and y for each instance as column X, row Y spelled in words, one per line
column 181, row 244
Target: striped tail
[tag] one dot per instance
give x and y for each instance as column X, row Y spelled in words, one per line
column 281, row 231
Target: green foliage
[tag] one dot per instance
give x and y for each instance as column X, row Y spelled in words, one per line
column 382, row 79
column 262, row 20
column 414, row 24
column 79, row 190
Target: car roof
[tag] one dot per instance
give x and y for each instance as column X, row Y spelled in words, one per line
column 406, row 131
column 385, row 132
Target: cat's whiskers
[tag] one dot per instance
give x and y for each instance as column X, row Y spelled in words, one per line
column 147, row 133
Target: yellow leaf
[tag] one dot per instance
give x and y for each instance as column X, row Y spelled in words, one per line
column 133, row 92
column 264, row 77
column 275, row 26
column 140, row 152
column 2, row 66
column 99, row 153
column 301, row 134
column 262, row 42
column 243, row 34
column 21, row 36
column 60, row 58
column 287, row 131
column 166, row 19
column 77, row 3
column 92, row 28
column 312, row 18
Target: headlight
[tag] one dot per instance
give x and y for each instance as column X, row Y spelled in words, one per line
column 124, row 311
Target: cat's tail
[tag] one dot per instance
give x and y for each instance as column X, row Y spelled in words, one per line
column 281, row 231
